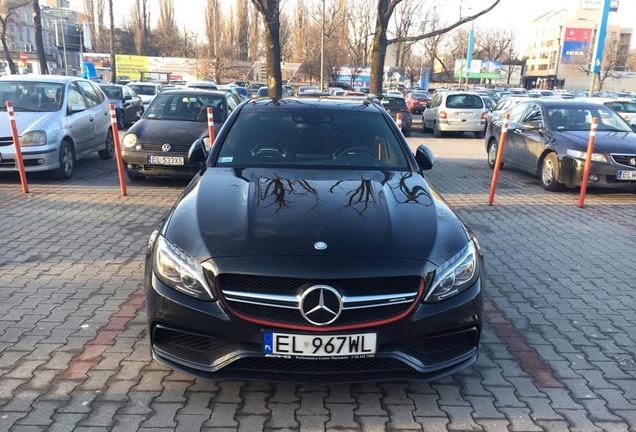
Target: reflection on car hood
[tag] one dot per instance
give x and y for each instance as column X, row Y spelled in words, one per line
column 25, row 121
column 260, row 212
column 608, row 142
column 171, row 131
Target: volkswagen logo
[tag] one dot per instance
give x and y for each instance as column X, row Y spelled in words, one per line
column 320, row 245
column 320, row 305
column 166, row 147
column 632, row 161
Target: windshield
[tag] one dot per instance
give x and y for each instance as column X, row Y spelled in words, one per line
column 464, row 101
column 112, row 92
column 393, row 102
column 31, row 96
column 318, row 138
column 144, row 90
column 186, row 107
column 623, row 107
column 568, row 118
column 421, row 95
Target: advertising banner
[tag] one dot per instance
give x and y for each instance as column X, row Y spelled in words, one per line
column 479, row 69
column 131, row 66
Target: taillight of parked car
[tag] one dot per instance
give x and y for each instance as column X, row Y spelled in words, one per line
column 483, row 115
column 443, row 115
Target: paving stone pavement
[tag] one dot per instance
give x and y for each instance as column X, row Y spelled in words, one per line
column 558, row 350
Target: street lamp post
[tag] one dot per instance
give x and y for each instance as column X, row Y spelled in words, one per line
column 322, row 49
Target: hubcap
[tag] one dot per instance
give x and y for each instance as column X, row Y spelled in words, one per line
column 67, row 160
column 492, row 154
column 110, row 147
column 548, row 172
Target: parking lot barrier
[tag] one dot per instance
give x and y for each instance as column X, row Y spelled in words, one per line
column 211, row 125
column 120, row 163
column 588, row 161
column 398, row 120
column 500, row 147
column 19, row 162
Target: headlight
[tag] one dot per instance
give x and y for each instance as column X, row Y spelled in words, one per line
column 180, row 271
column 596, row 157
column 34, row 138
column 130, row 140
column 207, row 144
column 455, row 275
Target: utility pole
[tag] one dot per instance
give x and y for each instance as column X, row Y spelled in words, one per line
column 113, row 66
column 595, row 67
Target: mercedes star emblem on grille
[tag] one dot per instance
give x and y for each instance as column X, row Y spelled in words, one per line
column 320, row 305
column 632, row 161
column 320, row 245
column 166, row 147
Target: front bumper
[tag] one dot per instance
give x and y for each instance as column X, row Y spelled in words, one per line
column 137, row 163
column 602, row 174
column 40, row 158
column 205, row 340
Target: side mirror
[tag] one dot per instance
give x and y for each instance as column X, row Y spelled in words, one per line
column 424, row 158
column 75, row 108
column 535, row 125
column 127, row 98
column 197, row 153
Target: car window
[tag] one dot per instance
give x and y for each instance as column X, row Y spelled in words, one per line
column 98, row 91
column 464, row 101
column 421, row 95
column 625, row 107
column 580, row 118
column 533, row 115
column 393, row 102
column 75, row 97
column 113, row 92
column 145, row 90
column 437, row 100
column 232, row 103
column 502, row 105
column 186, row 107
column 89, row 93
column 312, row 137
column 31, row 95
column 516, row 112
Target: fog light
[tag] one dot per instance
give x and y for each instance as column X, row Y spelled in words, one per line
column 129, row 166
column 594, row 178
column 138, row 148
column 41, row 161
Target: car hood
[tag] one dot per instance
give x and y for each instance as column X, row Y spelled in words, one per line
column 230, row 212
column 605, row 142
column 172, row 131
column 25, row 121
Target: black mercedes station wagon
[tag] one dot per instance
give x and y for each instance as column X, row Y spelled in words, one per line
column 310, row 248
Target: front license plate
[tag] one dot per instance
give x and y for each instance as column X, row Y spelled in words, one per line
column 319, row 346
column 165, row 160
column 626, row 175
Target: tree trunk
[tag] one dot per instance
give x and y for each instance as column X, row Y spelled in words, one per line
column 39, row 41
column 7, row 53
column 378, row 48
column 270, row 11
column 113, row 66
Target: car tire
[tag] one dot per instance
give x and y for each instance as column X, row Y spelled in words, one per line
column 121, row 120
column 135, row 177
column 109, row 147
column 492, row 154
column 436, row 132
column 480, row 134
column 424, row 128
column 407, row 133
column 550, row 173
column 66, row 160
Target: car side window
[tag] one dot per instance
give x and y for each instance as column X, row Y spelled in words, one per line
column 534, row 115
column 75, row 98
column 231, row 103
column 89, row 92
column 99, row 92
column 516, row 112
column 437, row 100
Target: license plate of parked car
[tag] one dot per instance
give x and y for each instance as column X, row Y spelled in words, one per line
column 303, row 345
column 626, row 175
column 165, row 160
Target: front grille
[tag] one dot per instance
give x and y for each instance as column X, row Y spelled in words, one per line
column 623, row 159
column 171, row 168
column 440, row 344
column 6, row 141
column 249, row 295
column 10, row 163
column 175, row 148
column 344, row 366
column 189, row 341
column 288, row 286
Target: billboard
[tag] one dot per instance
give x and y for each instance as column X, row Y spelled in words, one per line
column 131, row 65
column 576, row 45
column 479, row 69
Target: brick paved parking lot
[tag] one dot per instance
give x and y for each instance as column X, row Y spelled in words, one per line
column 558, row 351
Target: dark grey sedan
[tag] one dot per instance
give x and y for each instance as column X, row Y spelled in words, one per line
column 129, row 106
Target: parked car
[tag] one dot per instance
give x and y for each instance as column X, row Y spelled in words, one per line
column 146, row 91
column 626, row 108
column 202, row 85
column 336, row 91
column 455, row 111
column 537, row 93
column 262, row 92
column 307, row 89
column 502, row 106
column 129, row 106
column 61, row 119
column 123, row 79
column 313, row 249
column 395, row 105
column 418, row 101
column 158, row 144
column 253, row 89
column 242, row 92
column 548, row 138
column 394, row 93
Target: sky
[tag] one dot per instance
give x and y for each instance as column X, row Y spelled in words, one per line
column 517, row 14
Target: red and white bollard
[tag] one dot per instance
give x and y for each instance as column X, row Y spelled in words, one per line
column 120, row 162
column 398, row 120
column 588, row 161
column 19, row 162
column 211, row 126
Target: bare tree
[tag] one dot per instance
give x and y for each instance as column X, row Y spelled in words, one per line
column 306, row 41
column 242, row 24
column 39, row 40
column 113, row 65
column 94, row 10
column 336, row 34
column 167, row 39
column 255, row 35
column 385, row 10
column 631, row 60
column 270, row 11
column 8, row 15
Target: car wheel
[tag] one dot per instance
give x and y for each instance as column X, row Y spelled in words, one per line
column 121, row 120
column 67, row 162
column 480, row 135
column 492, row 154
column 109, row 147
column 424, row 128
column 407, row 133
column 135, row 177
column 550, row 173
column 436, row 132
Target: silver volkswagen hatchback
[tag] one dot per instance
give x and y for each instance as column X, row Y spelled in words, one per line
column 60, row 119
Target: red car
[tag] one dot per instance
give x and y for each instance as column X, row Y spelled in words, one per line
column 418, row 101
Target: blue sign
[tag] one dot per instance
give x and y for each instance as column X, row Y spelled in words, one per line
column 600, row 40
column 575, row 52
column 469, row 57
column 424, row 78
